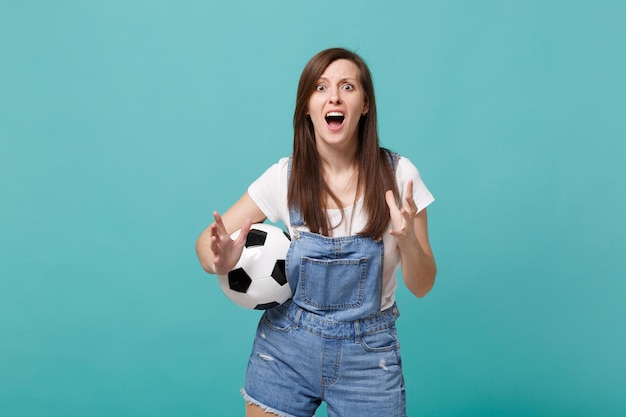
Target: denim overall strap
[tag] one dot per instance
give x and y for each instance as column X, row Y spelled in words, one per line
column 393, row 157
column 295, row 217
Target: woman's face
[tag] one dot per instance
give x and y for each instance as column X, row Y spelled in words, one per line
column 337, row 104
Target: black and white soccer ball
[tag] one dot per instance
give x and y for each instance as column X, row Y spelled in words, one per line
column 259, row 281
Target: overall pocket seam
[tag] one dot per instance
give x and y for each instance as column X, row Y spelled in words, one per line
column 361, row 264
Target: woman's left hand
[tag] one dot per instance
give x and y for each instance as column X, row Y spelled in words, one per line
column 403, row 219
column 410, row 230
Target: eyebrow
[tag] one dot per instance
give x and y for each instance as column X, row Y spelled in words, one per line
column 340, row 80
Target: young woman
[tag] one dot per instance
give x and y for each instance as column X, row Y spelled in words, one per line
column 356, row 213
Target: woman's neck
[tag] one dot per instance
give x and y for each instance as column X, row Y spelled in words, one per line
column 338, row 160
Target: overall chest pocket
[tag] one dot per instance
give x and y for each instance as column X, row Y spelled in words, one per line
column 333, row 284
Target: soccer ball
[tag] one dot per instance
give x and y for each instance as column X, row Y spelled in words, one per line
column 258, row 281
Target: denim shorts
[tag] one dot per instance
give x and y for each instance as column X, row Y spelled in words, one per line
column 300, row 359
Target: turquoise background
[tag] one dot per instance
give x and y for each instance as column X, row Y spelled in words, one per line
column 123, row 124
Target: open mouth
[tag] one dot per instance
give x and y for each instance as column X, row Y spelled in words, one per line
column 334, row 119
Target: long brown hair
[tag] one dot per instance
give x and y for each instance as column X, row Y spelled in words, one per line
column 308, row 190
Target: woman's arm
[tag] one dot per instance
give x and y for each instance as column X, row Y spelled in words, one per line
column 410, row 229
column 217, row 252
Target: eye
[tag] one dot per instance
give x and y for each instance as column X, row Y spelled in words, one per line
column 347, row 87
column 320, row 87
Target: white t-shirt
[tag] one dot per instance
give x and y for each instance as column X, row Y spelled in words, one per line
column 269, row 192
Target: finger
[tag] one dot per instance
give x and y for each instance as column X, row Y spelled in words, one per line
column 395, row 212
column 409, row 189
column 410, row 202
column 245, row 228
column 243, row 232
column 411, row 206
column 407, row 215
column 391, row 201
column 215, row 245
column 219, row 223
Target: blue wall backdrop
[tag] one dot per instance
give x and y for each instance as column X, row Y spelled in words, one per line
column 123, row 124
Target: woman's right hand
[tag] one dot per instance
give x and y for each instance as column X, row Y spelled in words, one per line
column 217, row 252
column 226, row 251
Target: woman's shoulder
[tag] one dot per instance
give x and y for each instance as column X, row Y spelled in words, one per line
column 405, row 166
column 284, row 161
column 276, row 174
column 399, row 160
column 278, row 167
column 405, row 171
column 281, row 163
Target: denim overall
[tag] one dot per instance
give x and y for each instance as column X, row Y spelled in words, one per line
column 330, row 342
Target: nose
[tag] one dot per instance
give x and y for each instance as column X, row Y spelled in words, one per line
column 335, row 98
